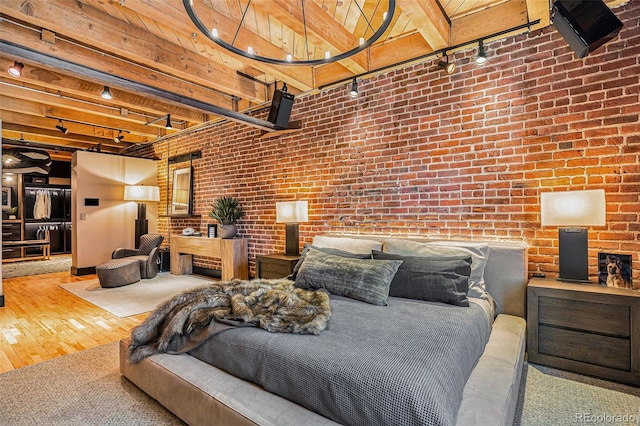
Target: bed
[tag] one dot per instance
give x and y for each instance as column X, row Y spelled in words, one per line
column 483, row 388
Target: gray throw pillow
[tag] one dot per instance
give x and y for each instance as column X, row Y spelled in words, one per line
column 366, row 280
column 327, row 250
column 434, row 279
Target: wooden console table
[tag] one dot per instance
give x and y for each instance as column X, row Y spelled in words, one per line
column 233, row 252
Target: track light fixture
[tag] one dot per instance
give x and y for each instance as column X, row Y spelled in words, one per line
column 447, row 66
column 119, row 138
column 168, row 125
column 106, row 93
column 16, row 69
column 354, row 89
column 60, row 127
column 482, row 56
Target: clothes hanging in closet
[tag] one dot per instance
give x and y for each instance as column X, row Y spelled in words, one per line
column 42, row 206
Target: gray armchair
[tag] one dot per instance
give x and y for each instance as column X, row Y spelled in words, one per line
column 146, row 255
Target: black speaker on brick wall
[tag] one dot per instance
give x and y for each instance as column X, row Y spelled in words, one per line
column 281, row 106
column 585, row 24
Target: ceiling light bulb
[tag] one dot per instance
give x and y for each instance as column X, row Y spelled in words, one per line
column 214, row 32
column 327, row 54
column 250, row 50
column 482, row 56
column 361, row 41
column 289, row 57
column 8, row 178
column 354, row 89
column 384, row 16
column 106, row 93
column 16, row 69
column 119, row 138
column 61, row 127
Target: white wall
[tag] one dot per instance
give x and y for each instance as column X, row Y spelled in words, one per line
column 97, row 231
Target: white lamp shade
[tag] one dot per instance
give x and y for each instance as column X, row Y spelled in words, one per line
column 292, row 212
column 573, row 208
column 141, row 193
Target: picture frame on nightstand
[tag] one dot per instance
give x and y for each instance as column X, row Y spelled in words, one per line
column 614, row 270
column 212, row 230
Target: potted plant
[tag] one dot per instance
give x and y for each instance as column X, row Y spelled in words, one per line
column 227, row 211
column 13, row 211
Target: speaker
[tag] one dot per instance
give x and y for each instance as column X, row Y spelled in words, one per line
column 281, row 109
column 573, row 255
column 585, row 24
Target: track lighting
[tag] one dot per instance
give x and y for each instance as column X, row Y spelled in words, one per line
column 106, row 93
column 354, row 88
column 16, row 69
column 447, row 66
column 60, row 127
column 482, row 56
column 168, row 125
column 119, row 138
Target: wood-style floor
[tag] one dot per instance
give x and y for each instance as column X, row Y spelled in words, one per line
column 41, row 321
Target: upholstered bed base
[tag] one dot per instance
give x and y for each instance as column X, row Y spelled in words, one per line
column 201, row 394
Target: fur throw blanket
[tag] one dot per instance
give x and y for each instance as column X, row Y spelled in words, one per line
column 186, row 320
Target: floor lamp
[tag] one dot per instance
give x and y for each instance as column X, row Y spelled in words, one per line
column 292, row 213
column 573, row 211
column 141, row 194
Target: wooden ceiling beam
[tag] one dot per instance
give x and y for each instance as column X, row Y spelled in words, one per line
column 172, row 13
column 472, row 27
column 53, row 81
column 54, row 137
column 37, row 109
column 70, row 18
column 323, row 31
column 429, row 20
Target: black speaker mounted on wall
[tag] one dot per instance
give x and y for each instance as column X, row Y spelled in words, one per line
column 281, row 106
column 585, row 24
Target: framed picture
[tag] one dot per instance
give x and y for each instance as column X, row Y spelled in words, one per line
column 212, row 230
column 614, row 270
column 181, row 200
column 6, row 198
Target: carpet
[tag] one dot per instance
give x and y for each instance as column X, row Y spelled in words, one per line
column 84, row 388
column 36, row 267
column 133, row 299
column 554, row 397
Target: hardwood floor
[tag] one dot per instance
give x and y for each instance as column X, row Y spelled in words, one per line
column 41, row 321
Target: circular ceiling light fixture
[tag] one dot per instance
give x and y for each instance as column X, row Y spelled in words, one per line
column 302, row 51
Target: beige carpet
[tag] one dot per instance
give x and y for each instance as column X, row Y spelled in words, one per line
column 58, row 263
column 83, row 388
column 136, row 298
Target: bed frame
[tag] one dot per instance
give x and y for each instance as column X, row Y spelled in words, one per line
column 201, row 394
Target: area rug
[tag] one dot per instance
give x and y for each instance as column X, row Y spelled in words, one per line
column 554, row 397
column 84, row 388
column 136, row 298
column 36, row 267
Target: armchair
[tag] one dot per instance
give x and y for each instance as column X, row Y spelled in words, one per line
column 146, row 255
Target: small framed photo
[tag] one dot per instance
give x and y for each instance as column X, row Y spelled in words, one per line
column 212, row 230
column 614, row 270
column 6, row 198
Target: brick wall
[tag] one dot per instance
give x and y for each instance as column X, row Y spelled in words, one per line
column 451, row 156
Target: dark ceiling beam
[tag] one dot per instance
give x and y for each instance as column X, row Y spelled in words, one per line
column 9, row 48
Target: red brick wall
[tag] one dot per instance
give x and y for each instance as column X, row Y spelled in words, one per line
column 455, row 156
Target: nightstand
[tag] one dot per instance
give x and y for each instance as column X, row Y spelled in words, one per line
column 588, row 329
column 275, row 265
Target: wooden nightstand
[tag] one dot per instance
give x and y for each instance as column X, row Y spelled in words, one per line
column 588, row 329
column 275, row 265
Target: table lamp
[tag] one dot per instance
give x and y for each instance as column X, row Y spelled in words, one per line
column 573, row 211
column 292, row 213
column 141, row 194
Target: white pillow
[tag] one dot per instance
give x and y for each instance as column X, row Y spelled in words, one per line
column 479, row 254
column 351, row 245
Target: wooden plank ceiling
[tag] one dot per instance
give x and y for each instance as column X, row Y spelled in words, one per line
column 71, row 49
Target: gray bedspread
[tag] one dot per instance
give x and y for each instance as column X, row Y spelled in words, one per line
column 402, row 364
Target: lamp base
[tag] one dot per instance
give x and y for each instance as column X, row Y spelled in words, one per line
column 292, row 245
column 141, row 224
column 574, row 255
